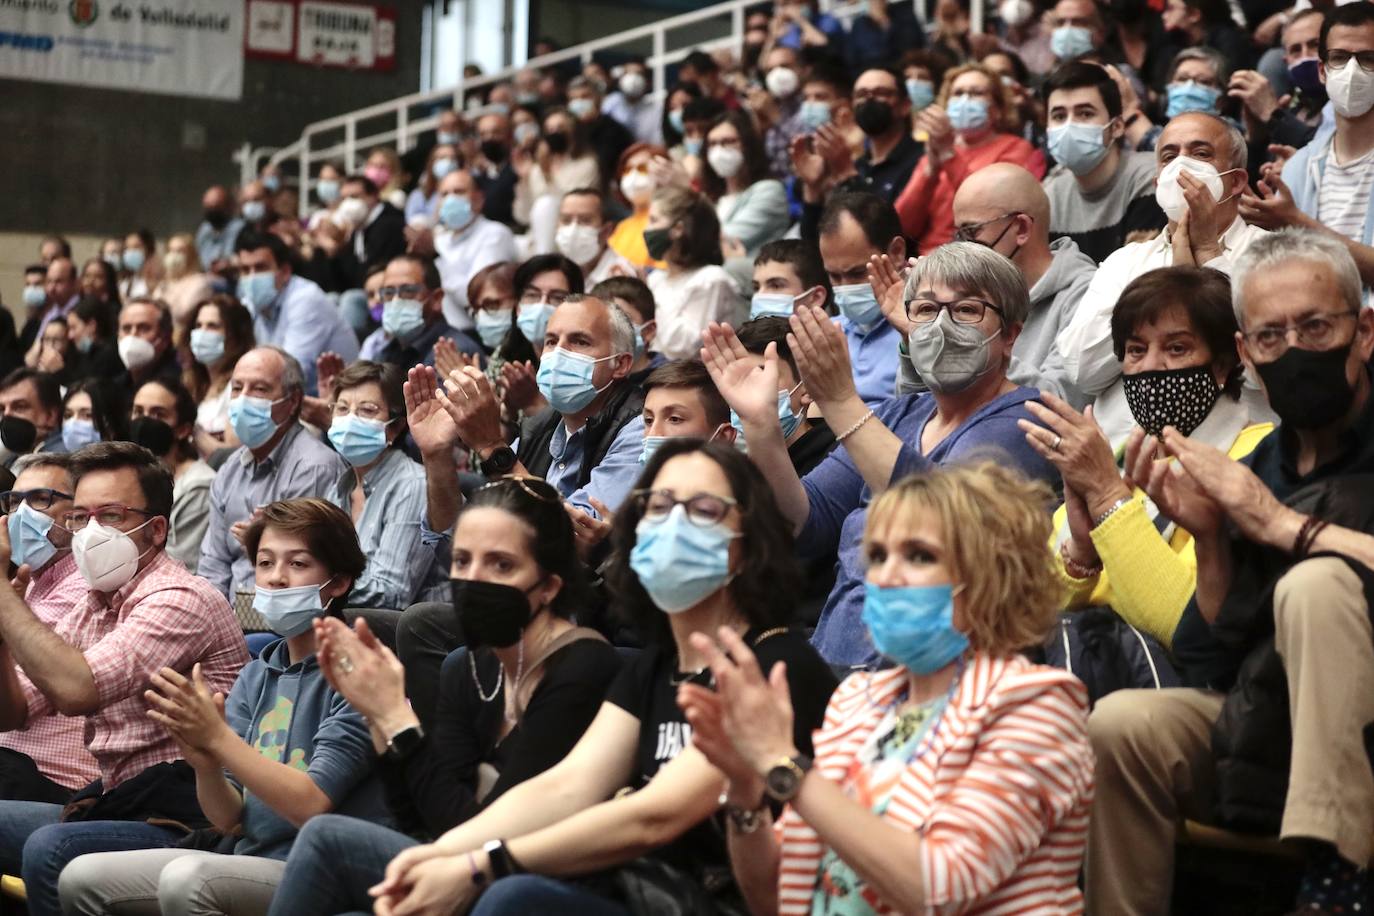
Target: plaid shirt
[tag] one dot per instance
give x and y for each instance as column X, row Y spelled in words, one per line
column 57, row 744
column 163, row 617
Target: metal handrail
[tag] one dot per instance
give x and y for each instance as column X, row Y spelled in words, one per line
column 308, row 150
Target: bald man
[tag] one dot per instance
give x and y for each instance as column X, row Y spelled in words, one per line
column 1003, row 207
column 219, row 230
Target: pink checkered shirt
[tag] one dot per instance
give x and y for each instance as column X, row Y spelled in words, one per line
column 57, row 744
column 163, row 617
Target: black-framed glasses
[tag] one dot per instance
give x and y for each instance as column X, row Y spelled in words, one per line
column 406, row 291
column 1337, row 58
column 1320, row 332
column 969, row 231
column 111, row 515
column 968, row 310
column 703, row 509
column 41, row 498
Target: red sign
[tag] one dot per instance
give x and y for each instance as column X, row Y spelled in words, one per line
column 322, row 33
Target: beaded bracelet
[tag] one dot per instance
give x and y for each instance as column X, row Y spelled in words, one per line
column 855, row 428
column 1307, row 535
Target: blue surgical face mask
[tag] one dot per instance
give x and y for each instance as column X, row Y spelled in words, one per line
column 1191, row 96
column 651, row 445
column 814, row 115
column 857, row 303
column 921, row 93
column 34, row 296
column 639, row 341
column 289, row 611
column 967, row 112
column 254, row 210
column 787, row 418
column 446, row 137
column 84, row 344
column 132, row 259
column 533, row 320
column 252, row 419
column 580, row 108
column 771, row 305
column 403, row 318
column 272, row 182
column 29, row 537
column 675, row 121
column 207, row 346
column 442, row 167
column 77, row 433
column 327, row 190
column 679, row 563
column 691, row 146
column 1080, row 147
column 1070, row 41
column 914, row 626
column 257, row 290
column 492, row 326
column 565, row 379
column 358, row 440
column 455, row 212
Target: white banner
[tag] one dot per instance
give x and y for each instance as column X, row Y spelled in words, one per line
column 177, row 47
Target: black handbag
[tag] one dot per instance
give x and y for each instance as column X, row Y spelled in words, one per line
column 652, row 887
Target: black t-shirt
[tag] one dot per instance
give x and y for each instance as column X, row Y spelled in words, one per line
column 434, row 789
column 647, row 690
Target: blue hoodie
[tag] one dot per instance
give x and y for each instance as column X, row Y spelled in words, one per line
column 290, row 714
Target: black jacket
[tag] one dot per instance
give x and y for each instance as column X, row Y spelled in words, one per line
column 383, row 239
column 622, row 406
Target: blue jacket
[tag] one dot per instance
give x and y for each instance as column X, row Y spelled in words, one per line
column 1303, row 173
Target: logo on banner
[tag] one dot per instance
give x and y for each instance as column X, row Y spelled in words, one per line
column 84, row 12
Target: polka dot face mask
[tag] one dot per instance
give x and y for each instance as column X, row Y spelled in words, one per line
column 1180, row 398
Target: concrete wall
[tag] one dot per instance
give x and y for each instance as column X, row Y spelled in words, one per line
column 101, row 162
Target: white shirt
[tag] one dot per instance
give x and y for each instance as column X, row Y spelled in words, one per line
column 685, row 304
column 602, row 269
column 1343, row 197
column 460, row 255
column 1086, row 342
column 643, row 118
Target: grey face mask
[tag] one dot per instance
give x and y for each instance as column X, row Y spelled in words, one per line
column 949, row 356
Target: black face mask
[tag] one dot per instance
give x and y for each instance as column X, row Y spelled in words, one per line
column 490, row 614
column 217, row 219
column 495, row 151
column 558, row 143
column 1308, row 388
column 1181, row 398
column 874, row 117
column 657, row 242
column 153, row 434
column 17, row 434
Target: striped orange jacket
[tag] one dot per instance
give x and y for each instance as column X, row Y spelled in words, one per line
column 999, row 798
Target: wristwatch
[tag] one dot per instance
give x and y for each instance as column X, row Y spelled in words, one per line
column 502, row 863
column 404, row 743
column 745, row 820
column 500, row 461
column 783, row 780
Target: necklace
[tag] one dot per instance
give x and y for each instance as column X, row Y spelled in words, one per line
column 500, row 676
column 677, row 678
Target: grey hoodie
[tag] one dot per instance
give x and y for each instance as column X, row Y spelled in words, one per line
column 1035, row 362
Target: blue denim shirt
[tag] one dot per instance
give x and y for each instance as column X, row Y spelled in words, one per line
column 839, row 501
column 305, row 323
column 873, row 355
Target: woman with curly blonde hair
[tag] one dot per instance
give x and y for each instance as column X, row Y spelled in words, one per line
column 960, row 778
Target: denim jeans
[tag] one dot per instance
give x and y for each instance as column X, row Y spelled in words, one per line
column 520, row 894
column 333, row 862
column 35, row 846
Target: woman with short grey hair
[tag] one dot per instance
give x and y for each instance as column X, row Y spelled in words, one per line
column 965, row 305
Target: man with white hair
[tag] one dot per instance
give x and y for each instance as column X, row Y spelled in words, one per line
column 1201, row 162
column 1276, row 643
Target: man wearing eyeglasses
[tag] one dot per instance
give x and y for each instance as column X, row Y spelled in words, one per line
column 49, row 760
column 1277, row 640
column 883, row 112
column 143, row 612
column 289, row 311
column 412, row 316
column 1328, row 186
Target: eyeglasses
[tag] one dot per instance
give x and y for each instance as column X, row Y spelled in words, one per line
column 882, row 95
column 702, row 509
column 969, row 231
column 1316, row 331
column 534, row 296
column 42, row 498
column 1336, row 59
column 367, row 410
column 964, row 311
column 112, row 515
column 408, row 291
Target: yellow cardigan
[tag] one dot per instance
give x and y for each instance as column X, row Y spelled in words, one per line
column 1145, row 580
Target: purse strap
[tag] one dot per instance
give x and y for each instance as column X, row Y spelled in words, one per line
column 567, row 638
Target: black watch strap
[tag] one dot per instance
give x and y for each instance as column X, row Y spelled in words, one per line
column 500, row 461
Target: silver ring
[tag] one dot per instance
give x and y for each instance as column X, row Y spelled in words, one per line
column 1054, row 446
column 345, row 664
